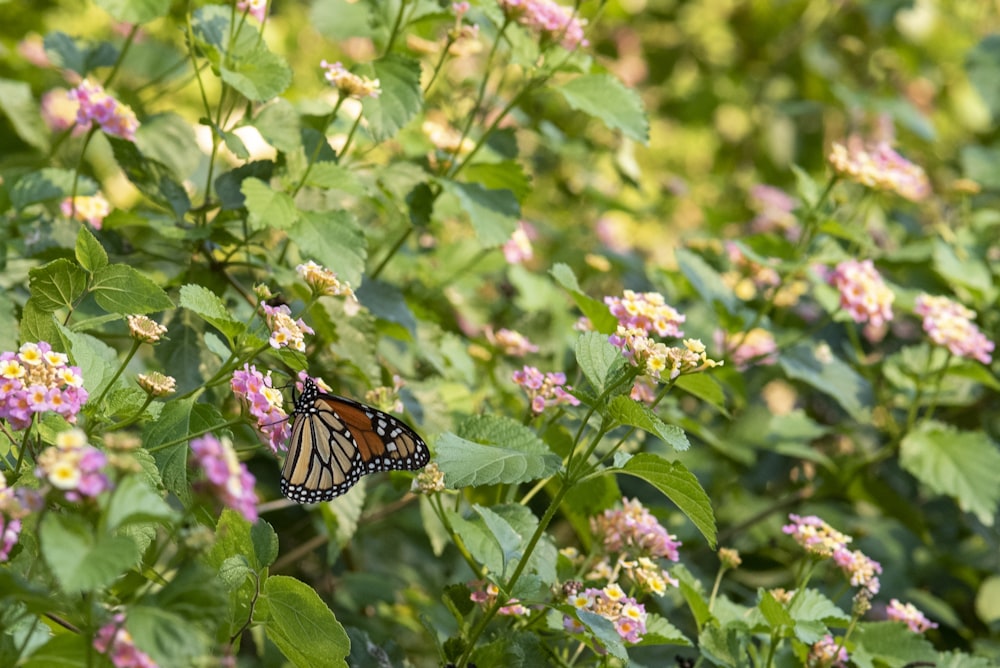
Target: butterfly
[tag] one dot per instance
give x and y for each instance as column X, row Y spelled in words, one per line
column 336, row 440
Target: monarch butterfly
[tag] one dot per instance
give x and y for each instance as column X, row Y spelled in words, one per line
column 336, row 440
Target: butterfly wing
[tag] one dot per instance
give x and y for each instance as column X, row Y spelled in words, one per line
column 336, row 440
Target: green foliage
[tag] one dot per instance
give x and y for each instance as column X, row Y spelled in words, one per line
column 488, row 260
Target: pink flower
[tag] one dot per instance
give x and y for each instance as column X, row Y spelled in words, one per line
column 909, row 614
column 59, row 109
column 774, row 211
column 551, row 21
column 285, row 332
column 746, row 349
column 512, row 343
column 36, row 379
column 878, row 166
column 863, row 293
column 815, row 535
column 647, row 311
column 10, row 529
column 860, row 569
column 949, row 324
column 255, row 8
column 96, row 106
column 633, row 530
column 517, row 249
column 827, row 653
column 544, row 389
column 115, row 641
column 74, row 466
column 349, row 84
column 265, row 403
column 627, row 615
column 226, row 477
column 89, row 209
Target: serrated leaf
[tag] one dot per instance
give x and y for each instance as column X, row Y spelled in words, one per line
column 234, row 571
column 265, row 543
column 494, row 213
column 637, row 414
column 58, row 284
column 19, row 106
column 333, row 239
column 513, row 454
column 167, row 440
column 302, row 626
column 153, row 178
column 209, row 306
column 89, row 251
column 257, row 73
column 135, row 11
column 608, row 99
column 889, row 643
column 507, row 539
column 507, row 175
column 598, row 359
column 679, row 485
column 81, row 560
column 119, row 288
column 963, row 465
column 48, row 184
column 401, row 96
column 268, row 208
column 773, row 611
column 661, row 632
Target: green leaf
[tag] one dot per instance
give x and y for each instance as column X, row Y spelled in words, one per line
column 494, row 213
column 387, row 302
column 78, row 55
column 234, row 572
column 725, row 645
column 265, row 543
column 889, row 643
column 18, row 105
column 963, row 465
column 661, row 632
column 236, row 536
column 119, row 288
column 268, row 208
column 37, row 324
column 134, row 501
column 597, row 312
column 679, row 485
column 135, row 11
column 600, row 361
column 705, row 280
column 211, row 308
column 773, row 611
column 58, row 284
column 154, row 179
column 333, row 239
column 302, row 626
column 279, row 125
column 512, row 454
column 79, row 559
column 704, row 387
column 508, row 540
column 89, row 251
column 169, row 638
column 637, row 414
column 507, row 175
column 832, row 377
column 608, row 99
column 48, row 184
column 171, row 460
column 693, row 593
column 604, row 631
column 338, row 20
column 400, row 100
column 982, row 66
column 66, row 650
column 256, row 73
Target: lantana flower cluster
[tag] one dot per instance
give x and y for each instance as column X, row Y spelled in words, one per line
column 485, row 594
column 627, row 615
column 550, row 20
column 750, row 278
column 285, row 332
column 324, row 281
column 90, row 209
column 265, row 403
column 949, row 324
column 348, row 83
column 255, row 8
column 863, row 294
column 226, row 478
column 774, row 208
column 512, row 343
column 544, row 389
column 819, row 538
column 96, row 106
column 647, row 311
column 10, row 523
column 827, row 653
column 114, row 640
column 879, row 166
column 910, row 615
column 37, row 379
column 754, row 347
column 658, row 360
column 518, row 249
column 74, row 466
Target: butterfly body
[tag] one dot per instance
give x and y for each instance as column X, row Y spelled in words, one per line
column 336, row 440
